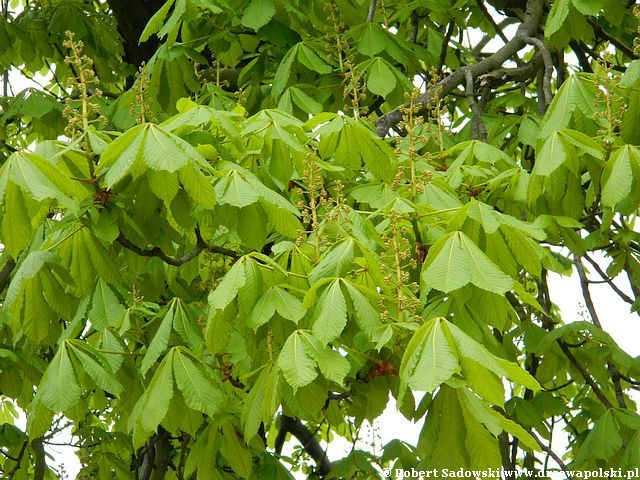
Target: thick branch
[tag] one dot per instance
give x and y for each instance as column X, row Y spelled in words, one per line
column 309, row 443
column 527, row 28
column 40, row 464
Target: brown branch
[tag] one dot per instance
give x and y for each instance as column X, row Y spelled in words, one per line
column 445, row 46
column 163, row 455
column 587, row 377
column 613, row 370
column 309, row 443
column 552, row 454
column 608, row 280
column 527, row 28
column 5, row 273
column 40, row 463
column 176, row 262
column 613, row 40
column 493, row 23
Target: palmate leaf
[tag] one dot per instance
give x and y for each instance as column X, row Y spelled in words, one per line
column 336, row 262
column 455, row 261
column 468, row 347
column 147, row 146
column 294, row 361
column 619, row 176
column 275, row 299
column 262, row 401
column 428, row 360
column 59, row 388
column 95, row 365
column 333, row 366
column 196, row 386
column 228, row 288
column 258, row 13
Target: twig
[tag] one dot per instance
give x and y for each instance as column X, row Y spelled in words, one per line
column 552, row 454
column 445, row 46
column 587, row 377
column 615, row 41
column 608, row 280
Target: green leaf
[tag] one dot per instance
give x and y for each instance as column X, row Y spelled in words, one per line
column 618, row 179
column 381, row 79
column 96, row 366
column 59, row 388
column 335, row 262
column 468, row 347
column 106, row 309
column 332, row 365
column 258, row 13
column 297, row 366
column 557, row 16
column 160, row 340
column 197, row 389
column 331, row 313
column 455, row 261
column 228, row 288
column 154, row 404
column 275, row 299
column 428, row 360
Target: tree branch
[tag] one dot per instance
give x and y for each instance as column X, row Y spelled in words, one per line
column 372, row 11
column 548, row 68
column 527, row 28
column 176, row 262
column 478, row 130
column 5, row 273
column 490, row 19
column 613, row 370
column 309, row 443
column 552, row 454
column 608, row 280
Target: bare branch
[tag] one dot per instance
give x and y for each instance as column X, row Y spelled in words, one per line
column 493, row 23
column 5, row 273
column 527, row 28
column 615, row 374
column 608, row 280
